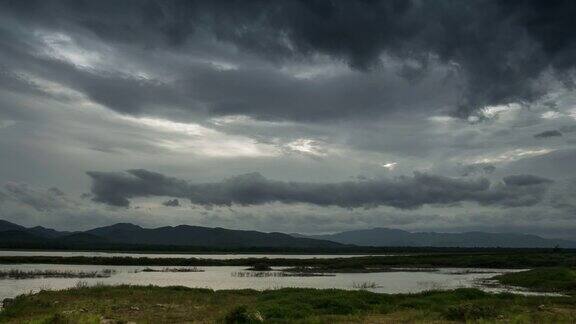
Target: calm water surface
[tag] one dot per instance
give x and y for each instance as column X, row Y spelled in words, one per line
column 222, row 278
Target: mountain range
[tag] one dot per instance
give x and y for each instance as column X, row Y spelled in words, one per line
column 125, row 235
column 394, row 237
column 134, row 235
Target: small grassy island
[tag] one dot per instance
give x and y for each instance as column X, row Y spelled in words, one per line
column 558, row 279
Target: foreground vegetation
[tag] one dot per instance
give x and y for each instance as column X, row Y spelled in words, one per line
column 502, row 260
column 149, row 304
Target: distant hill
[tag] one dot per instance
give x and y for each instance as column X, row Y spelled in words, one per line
column 203, row 236
column 383, row 237
column 19, row 237
column 126, row 236
column 133, row 235
column 47, row 232
column 7, row 226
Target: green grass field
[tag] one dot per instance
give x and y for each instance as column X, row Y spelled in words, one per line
column 148, row 304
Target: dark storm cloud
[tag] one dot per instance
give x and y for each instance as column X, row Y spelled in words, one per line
column 114, row 90
column 525, row 180
column 557, row 164
column 548, row 134
column 115, row 188
column 171, row 203
column 254, row 189
column 501, row 48
column 270, row 95
column 262, row 92
column 477, row 168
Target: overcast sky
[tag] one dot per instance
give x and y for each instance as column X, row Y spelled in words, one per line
column 293, row 116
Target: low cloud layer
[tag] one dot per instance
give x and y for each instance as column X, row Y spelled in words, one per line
column 552, row 217
column 254, row 189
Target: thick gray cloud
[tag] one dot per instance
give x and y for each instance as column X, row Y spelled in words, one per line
column 548, row 134
column 254, row 189
column 525, row 180
column 477, row 168
column 557, row 164
column 504, row 51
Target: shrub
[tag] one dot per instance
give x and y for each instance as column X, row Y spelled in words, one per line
column 57, row 319
column 468, row 311
column 241, row 315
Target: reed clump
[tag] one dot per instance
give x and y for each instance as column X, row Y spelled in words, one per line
column 32, row 274
column 268, row 274
column 365, row 285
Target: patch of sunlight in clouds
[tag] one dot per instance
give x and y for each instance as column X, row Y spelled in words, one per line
column 62, row 47
column 510, row 156
column 308, row 146
column 390, row 166
column 98, row 58
column 195, row 138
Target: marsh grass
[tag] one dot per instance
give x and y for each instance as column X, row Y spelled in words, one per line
column 32, row 274
column 365, row 285
column 471, row 271
column 269, row 274
column 260, row 267
column 516, row 259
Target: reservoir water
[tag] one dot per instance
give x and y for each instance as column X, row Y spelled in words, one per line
column 224, row 278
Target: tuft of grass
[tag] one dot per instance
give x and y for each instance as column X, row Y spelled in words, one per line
column 365, row 285
column 470, row 311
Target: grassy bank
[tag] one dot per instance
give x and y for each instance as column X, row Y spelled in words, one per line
column 544, row 279
column 177, row 304
column 501, row 260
